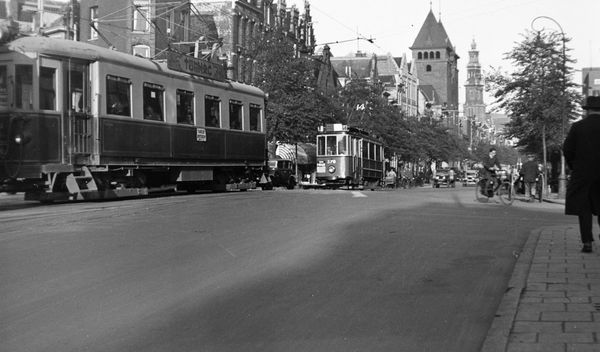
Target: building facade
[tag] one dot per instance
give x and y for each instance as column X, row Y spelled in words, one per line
column 591, row 81
column 217, row 30
column 400, row 81
column 436, row 61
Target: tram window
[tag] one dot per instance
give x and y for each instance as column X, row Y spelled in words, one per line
column 24, row 87
column 372, row 154
column 331, row 145
column 3, row 91
column 118, row 93
column 365, row 150
column 76, row 86
column 153, row 102
column 212, row 111
column 185, row 107
column 47, row 88
column 320, row 145
column 235, row 115
column 255, row 117
column 343, row 145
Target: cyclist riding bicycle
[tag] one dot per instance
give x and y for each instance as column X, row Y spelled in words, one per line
column 490, row 166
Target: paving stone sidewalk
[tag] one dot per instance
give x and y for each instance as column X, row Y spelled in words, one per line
column 553, row 299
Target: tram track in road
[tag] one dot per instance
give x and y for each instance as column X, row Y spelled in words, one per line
column 15, row 213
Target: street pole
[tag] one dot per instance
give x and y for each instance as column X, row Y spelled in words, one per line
column 562, row 178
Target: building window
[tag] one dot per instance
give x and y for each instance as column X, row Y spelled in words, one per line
column 420, row 56
column 170, row 20
column 93, row 22
column 426, row 56
column 141, row 17
column 185, row 19
column 431, row 55
column 437, row 54
column 185, row 107
column 428, row 68
column 141, row 50
column 153, row 102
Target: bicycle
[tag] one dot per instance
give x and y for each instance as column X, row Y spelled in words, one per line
column 539, row 187
column 489, row 187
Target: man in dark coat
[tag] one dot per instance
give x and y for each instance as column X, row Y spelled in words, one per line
column 582, row 154
column 530, row 173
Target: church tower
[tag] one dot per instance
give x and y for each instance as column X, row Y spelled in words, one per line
column 436, row 61
column 474, row 107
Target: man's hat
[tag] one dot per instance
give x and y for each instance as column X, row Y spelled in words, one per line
column 592, row 102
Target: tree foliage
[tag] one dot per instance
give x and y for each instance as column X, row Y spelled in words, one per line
column 534, row 95
column 295, row 107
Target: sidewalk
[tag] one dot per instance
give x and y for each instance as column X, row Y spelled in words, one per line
column 552, row 301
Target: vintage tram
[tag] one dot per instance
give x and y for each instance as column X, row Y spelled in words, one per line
column 79, row 121
column 348, row 157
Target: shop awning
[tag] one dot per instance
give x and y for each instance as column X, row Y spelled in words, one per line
column 305, row 153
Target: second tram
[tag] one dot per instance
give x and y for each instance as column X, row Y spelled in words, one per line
column 348, row 157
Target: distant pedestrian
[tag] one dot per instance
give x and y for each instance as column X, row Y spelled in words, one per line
column 530, row 173
column 582, row 154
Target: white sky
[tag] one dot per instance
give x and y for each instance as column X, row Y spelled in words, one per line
column 495, row 25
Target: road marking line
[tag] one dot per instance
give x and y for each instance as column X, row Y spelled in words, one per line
column 358, row 194
column 228, row 251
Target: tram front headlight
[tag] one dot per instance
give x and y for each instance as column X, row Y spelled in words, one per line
column 22, row 138
column 331, row 169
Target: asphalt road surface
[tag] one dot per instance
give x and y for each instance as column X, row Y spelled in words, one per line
column 303, row 270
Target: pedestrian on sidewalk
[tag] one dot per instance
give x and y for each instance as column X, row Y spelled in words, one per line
column 582, row 154
column 530, row 172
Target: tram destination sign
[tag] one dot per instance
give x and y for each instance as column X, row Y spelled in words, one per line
column 194, row 66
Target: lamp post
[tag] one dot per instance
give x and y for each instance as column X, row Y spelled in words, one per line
column 562, row 178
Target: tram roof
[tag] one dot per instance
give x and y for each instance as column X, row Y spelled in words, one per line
column 85, row 51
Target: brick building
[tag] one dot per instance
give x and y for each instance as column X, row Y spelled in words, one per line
column 436, row 61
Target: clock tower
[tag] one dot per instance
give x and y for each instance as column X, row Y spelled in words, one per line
column 474, row 108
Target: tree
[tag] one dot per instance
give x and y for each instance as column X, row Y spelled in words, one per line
column 295, row 107
column 532, row 96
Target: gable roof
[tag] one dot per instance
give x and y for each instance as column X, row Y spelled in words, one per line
column 432, row 35
column 430, row 94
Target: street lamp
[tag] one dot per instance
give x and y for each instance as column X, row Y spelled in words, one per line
column 562, row 178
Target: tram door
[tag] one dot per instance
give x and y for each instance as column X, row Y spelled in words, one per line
column 79, row 112
column 357, row 152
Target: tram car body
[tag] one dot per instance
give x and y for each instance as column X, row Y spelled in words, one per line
column 348, row 157
column 79, row 121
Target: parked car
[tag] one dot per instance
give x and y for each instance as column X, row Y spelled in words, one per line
column 282, row 173
column 443, row 178
column 471, row 178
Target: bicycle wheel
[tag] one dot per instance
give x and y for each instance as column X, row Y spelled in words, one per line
column 481, row 191
column 539, row 188
column 506, row 193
